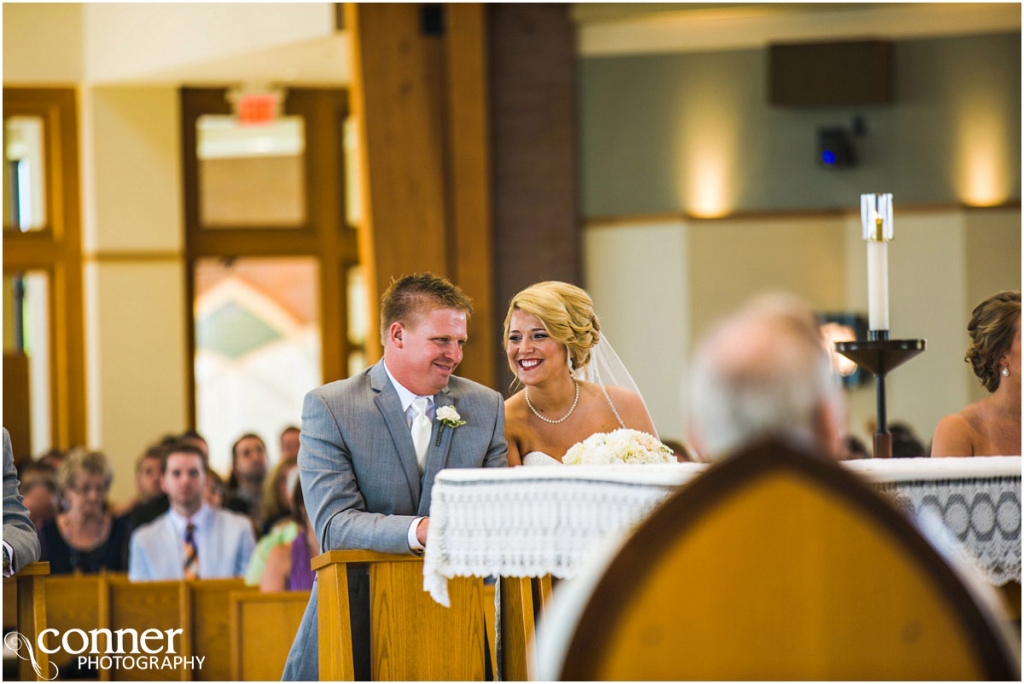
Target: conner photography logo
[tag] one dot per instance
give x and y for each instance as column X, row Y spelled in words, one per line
column 101, row 649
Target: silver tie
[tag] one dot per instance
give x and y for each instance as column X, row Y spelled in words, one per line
column 420, row 428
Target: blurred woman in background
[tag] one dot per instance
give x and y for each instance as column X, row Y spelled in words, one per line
column 86, row 537
column 990, row 427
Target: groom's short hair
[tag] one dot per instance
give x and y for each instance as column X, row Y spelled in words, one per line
column 416, row 294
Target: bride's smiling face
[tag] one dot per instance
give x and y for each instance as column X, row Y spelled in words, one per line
column 532, row 352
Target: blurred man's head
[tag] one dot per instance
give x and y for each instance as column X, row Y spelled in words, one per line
column 197, row 440
column 249, row 461
column 39, row 492
column 183, row 471
column 290, row 443
column 147, row 474
column 764, row 372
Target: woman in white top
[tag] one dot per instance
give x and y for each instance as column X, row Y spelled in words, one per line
column 554, row 345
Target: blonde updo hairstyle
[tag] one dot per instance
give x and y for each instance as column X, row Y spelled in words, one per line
column 992, row 326
column 566, row 312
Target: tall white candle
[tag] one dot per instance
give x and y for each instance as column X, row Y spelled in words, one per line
column 878, row 286
column 876, row 218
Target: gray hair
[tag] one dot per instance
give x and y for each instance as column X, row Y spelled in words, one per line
column 763, row 372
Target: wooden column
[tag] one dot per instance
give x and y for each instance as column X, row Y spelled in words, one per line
column 419, row 98
column 533, row 100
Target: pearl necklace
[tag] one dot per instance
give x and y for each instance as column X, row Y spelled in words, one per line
column 526, row 395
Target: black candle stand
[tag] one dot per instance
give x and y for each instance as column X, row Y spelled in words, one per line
column 881, row 355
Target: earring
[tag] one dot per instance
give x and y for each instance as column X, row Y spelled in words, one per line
column 1005, row 372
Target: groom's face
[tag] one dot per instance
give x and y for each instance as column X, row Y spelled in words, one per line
column 427, row 349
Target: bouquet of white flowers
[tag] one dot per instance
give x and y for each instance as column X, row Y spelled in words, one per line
column 620, row 446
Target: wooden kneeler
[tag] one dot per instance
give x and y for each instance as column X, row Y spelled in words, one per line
column 412, row 637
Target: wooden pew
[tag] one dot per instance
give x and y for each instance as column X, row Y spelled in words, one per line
column 207, row 624
column 25, row 610
column 72, row 602
column 200, row 608
column 413, row 637
column 261, row 630
column 142, row 606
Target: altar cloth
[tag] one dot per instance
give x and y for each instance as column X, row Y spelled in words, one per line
column 534, row 521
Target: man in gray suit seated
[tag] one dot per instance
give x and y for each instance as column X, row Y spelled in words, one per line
column 764, row 372
column 371, row 445
column 21, row 545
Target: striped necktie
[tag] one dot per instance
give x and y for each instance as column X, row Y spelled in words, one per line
column 191, row 567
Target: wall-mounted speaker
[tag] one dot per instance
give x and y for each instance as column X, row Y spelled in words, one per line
column 830, row 74
column 836, row 149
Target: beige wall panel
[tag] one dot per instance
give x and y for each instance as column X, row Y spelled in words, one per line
column 42, row 43
column 166, row 36
column 637, row 278
column 136, row 359
column 133, row 168
column 732, row 260
column 993, row 264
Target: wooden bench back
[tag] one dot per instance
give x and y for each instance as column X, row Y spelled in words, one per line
column 261, row 630
column 200, row 608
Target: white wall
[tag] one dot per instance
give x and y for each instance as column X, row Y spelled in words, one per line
column 641, row 296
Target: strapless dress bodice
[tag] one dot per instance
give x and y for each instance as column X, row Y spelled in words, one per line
column 539, row 458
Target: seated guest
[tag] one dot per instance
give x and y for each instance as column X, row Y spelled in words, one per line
column 277, row 498
column 147, row 478
column 905, row 443
column 248, row 471
column 213, row 493
column 990, row 427
column 290, row 443
column 86, row 537
column 191, row 540
column 39, row 492
column 764, row 373
column 158, row 505
column 21, row 545
column 853, row 448
column 287, row 567
column 283, row 531
column 194, row 438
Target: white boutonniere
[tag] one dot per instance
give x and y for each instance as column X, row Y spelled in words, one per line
column 448, row 417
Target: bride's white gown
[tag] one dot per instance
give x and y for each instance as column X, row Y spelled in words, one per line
column 539, row 458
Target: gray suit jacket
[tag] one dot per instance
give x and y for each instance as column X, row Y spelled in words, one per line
column 360, row 478
column 19, row 532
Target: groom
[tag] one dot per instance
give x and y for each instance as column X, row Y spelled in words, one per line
column 370, row 448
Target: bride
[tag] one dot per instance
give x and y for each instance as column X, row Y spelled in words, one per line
column 573, row 384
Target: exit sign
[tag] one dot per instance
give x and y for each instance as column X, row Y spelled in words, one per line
column 257, row 108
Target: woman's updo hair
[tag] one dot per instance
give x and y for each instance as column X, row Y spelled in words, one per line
column 993, row 324
column 567, row 313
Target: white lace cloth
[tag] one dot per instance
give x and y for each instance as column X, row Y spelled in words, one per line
column 528, row 522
